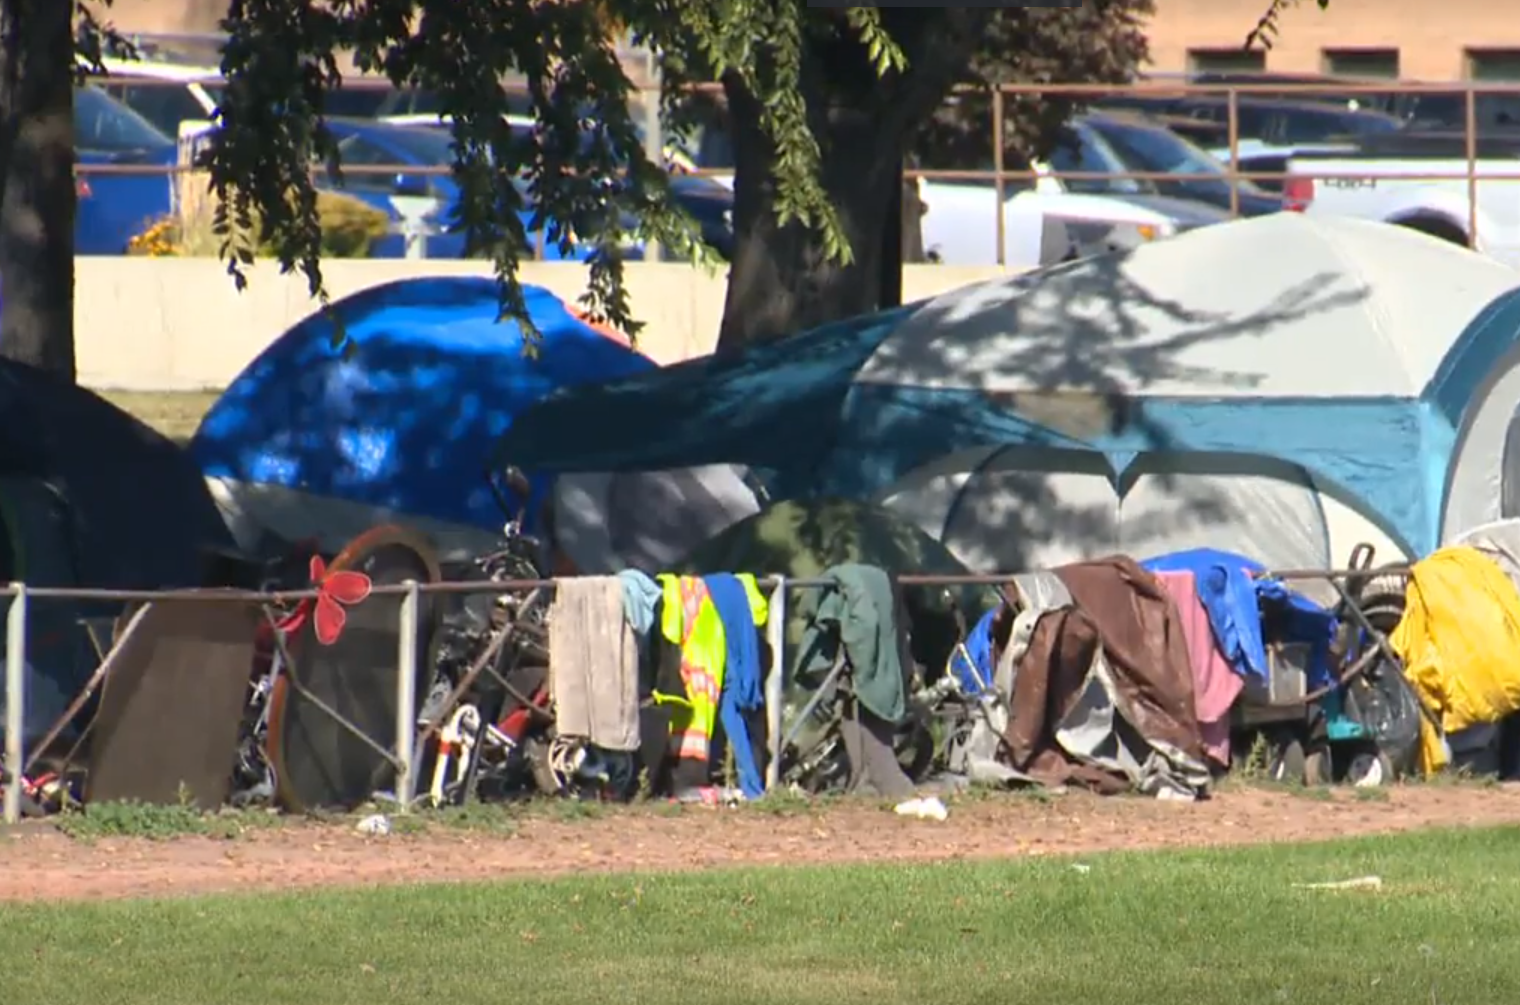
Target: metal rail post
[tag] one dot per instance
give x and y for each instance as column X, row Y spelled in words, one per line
column 1470, row 144
column 15, row 700
column 406, row 696
column 998, row 176
column 998, row 170
column 775, row 694
column 654, row 142
column 1232, row 108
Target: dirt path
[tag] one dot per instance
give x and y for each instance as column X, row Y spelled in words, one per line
column 40, row 863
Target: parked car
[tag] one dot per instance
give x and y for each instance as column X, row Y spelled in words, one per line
column 114, row 208
column 1271, row 130
column 182, row 100
column 1212, row 138
column 169, row 94
column 412, row 106
column 166, row 94
column 1441, row 110
column 1296, row 88
column 1045, row 220
column 1269, row 121
column 408, row 106
column 373, row 143
column 1370, row 179
column 1202, row 133
column 709, row 203
column 1316, row 88
column 1148, row 146
column 172, row 94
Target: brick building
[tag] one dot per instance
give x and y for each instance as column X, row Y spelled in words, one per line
column 1412, row 39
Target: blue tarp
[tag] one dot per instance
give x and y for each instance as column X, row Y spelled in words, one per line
column 794, row 408
column 408, row 420
column 1232, row 592
column 973, row 670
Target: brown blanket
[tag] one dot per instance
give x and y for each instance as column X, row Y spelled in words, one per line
column 1122, row 608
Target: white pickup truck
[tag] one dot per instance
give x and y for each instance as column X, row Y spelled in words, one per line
column 1043, row 223
column 1044, row 220
column 1378, row 179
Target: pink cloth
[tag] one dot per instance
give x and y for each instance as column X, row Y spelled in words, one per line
column 1216, row 685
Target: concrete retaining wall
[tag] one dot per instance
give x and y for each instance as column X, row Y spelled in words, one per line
column 178, row 324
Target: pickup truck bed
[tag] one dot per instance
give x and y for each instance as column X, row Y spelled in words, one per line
column 1386, row 178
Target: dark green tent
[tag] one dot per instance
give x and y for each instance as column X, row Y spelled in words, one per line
column 89, row 496
column 800, row 539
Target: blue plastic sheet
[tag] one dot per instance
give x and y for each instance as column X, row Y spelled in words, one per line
column 979, row 649
column 1232, row 591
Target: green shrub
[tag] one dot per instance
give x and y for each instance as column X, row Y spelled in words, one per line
column 350, row 226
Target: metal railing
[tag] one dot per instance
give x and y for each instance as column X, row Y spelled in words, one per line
column 1002, row 177
column 403, row 753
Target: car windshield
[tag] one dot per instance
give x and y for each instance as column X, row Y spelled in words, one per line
column 1083, row 149
column 524, row 131
column 1449, row 109
column 348, row 102
column 1153, row 148
column 107, row 126
column 1146, row 148
column 430, row 147
column 359, row 102
column 412, row 101
column 1318, row 125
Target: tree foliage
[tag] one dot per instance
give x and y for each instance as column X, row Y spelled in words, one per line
column 582, row 184
column 1270, row 23
column 1100, row 42
column 821, row 103
column 867, row 120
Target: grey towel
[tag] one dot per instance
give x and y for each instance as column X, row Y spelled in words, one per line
column 594, row 663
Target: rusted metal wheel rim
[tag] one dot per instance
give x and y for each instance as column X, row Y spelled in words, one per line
column 353, row 553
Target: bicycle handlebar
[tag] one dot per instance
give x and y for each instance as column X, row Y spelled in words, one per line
column 501, row 498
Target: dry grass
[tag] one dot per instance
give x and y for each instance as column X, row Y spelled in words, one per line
column 176, row 414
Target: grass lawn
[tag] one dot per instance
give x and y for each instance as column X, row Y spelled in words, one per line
column 1226, row 927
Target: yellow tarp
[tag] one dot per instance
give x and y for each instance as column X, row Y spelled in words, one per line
column 1460, row 643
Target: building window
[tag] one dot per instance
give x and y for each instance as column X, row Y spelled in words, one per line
column 1485, row 65
column 1367, row 64
column 1227, row 60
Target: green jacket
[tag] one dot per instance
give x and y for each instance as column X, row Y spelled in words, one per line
column 857, row 610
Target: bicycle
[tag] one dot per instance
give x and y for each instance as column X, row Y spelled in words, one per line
column 489, row 711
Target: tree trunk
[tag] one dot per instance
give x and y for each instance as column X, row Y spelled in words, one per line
column 913, row 223
column 37, row 184
column 780, row 281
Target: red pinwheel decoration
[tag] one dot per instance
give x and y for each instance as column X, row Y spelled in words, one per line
column 335, row 590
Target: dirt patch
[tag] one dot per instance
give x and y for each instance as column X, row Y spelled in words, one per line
column 41, row 863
